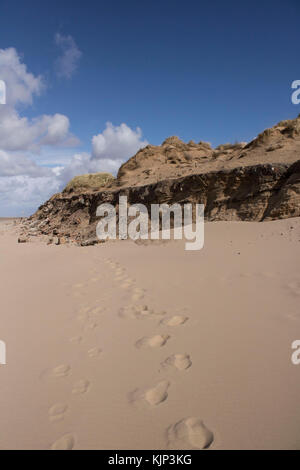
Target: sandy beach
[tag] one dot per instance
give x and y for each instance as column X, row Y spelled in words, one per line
column 148, row 346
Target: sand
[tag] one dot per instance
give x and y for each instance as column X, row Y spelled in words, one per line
column 147, row 346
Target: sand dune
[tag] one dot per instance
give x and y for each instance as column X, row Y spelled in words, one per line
column 147, row 346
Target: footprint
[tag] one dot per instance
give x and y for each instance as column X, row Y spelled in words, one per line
column 293, row 316
column 135, row 311
column 138, row 294
column 153, row 396
column 61, row 371
column 125, row 286
column 94, row 352
column 66, row 442
column 93, row 312
column 127, row 283
column 57, row 412
column 179, row 361
column 156, row 341
column 76, row 339
column 136, row 297
column 268, row 274
column 96, row 310
column 91, row 326
column 89, row 313
column 158, row 394
column 81, row 387
column 58, row 372
column 84, row 309
column 78, row 286
column 82, row 317
column 142, row 311
column 139, row 312
column 113, row 265
column 189, row 433
column 120, row 272
column 78, row 294
column 175, row 321
column 294, row 287
column 138, row 290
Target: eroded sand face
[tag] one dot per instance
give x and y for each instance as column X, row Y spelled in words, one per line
column 127, row 346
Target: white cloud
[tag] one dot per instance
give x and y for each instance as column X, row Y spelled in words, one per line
column 2, row 92
column 110, row 149
column 21, row 195
column 24, row 184
column 117, row 142
column 20, row 133
column 19, row 165
column 57, row 128
column 67, row 63
column 21, row 85
column 30, row 185
column 27, row 145
column 83, row 163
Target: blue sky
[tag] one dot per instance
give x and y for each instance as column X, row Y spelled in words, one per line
column 218, row 71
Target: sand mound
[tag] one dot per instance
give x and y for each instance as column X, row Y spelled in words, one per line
column 255, row 181
column 90, row 182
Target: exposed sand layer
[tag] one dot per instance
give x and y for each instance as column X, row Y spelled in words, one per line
column 174, row 158
column 258, row 181
column 148, row 346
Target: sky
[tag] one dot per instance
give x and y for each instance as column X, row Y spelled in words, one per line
column 88, row 83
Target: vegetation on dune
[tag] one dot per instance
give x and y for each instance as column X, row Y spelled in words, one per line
column 89, row 182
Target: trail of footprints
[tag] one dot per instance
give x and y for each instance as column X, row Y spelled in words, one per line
column 186, row 434
column 88, row 318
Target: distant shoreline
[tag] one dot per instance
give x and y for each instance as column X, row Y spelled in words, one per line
column 9, row 219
